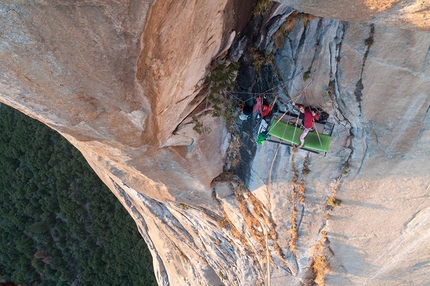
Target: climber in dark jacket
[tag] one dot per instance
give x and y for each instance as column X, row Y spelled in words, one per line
column 308, row 119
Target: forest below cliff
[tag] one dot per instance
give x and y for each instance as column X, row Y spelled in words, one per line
column 59, row 224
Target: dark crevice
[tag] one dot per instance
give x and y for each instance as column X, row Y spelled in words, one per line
column 334, row 87
column 298, row 50
column 319, row 30
column 362, row 159
column 426, row 61
column 424, row 125
column 317, row 42
column 358, row 91
column 302, row 38
column 341, row 106
column 359, row 86
column 302, row 213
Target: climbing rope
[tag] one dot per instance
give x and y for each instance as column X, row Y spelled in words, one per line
column 303, row 92
column 266, row 92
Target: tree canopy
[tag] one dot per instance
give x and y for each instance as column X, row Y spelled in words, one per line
column 59, row 224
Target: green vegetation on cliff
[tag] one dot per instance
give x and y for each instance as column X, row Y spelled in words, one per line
column 59, row 224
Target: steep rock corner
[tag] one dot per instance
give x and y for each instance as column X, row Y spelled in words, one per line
column 125, row 83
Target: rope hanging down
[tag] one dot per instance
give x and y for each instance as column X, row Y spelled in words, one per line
column 303, row 92
column 266, row 92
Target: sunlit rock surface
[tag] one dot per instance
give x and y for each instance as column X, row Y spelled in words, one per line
column 122, row 81
column 407, row 14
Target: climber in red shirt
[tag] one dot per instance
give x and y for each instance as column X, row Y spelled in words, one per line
column 308, row 119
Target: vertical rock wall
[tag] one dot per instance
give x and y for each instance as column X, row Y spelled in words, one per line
column 384, row 203
column 122, row 82
column 409, row 14
column 370, row 79
column 85, row 69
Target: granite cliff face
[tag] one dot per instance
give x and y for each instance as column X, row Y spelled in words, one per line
column 122, row 81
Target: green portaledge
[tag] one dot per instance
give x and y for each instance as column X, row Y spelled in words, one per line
column 285, row 132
